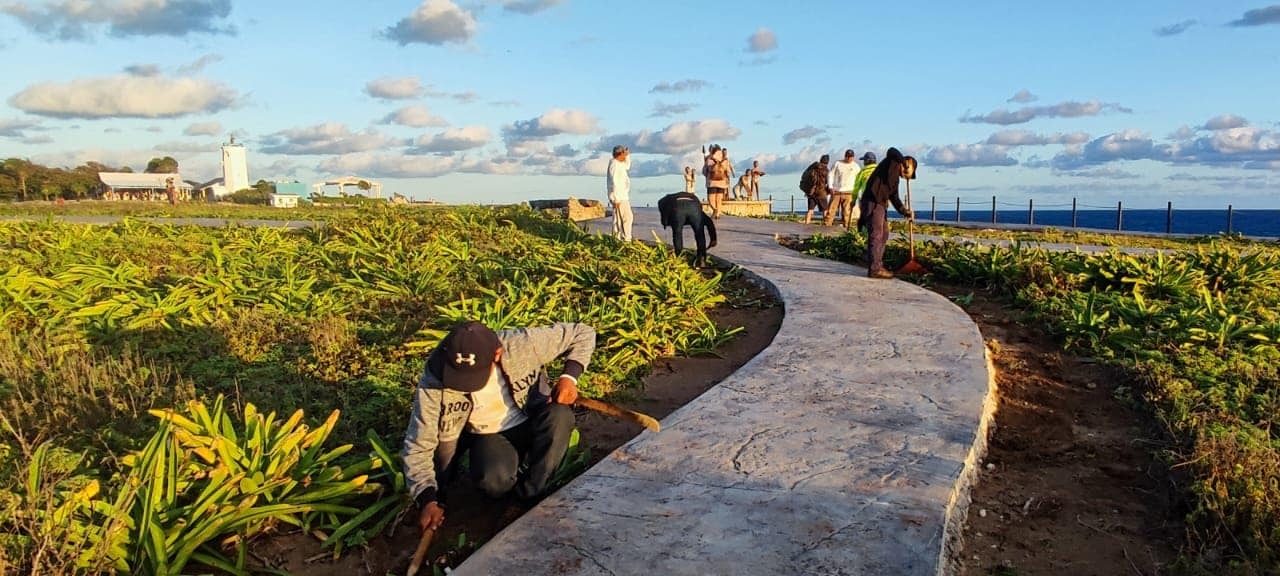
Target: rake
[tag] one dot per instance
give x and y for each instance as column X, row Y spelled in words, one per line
column 911, row 268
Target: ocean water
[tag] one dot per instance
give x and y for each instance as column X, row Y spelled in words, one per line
column 1262, row 223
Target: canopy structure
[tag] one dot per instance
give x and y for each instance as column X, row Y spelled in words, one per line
column 141, row 181
column 375, row 188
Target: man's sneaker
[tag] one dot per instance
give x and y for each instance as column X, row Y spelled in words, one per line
column 885, row 274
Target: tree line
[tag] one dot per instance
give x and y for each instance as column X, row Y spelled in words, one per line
column 22, row 179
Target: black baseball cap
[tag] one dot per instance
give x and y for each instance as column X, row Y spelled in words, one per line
column 467, row 355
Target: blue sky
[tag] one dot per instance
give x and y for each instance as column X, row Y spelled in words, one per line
column 509, row 100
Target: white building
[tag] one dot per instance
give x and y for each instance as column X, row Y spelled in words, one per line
column 235, row 172
column 140, row 186
column 284, row 200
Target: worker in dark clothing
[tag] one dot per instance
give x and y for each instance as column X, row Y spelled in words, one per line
column 685, row 209
column 882, row 190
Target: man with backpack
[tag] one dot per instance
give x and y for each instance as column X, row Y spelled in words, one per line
column 813, row 182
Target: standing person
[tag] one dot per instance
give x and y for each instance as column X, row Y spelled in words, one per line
column 685, row 209
column 860, row 186
column 814, row 185
column 756, row 173
column 486, row 393
column 718, row 172
column 882, row 190
column 689, row 179
column 841, row 182
column 172, row 190
column 619, row 182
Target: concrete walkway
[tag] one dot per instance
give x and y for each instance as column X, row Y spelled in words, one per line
column 845, row 447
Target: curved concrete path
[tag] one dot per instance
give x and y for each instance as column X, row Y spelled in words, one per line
column 845, row 447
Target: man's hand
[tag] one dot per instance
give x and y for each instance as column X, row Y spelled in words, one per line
column 911, row 215
column 432, row 516
column 565, row 392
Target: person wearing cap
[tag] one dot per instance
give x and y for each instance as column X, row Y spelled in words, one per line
column 841, row 183
column 860, row 184
column 882, row 190
column 813, row 182
column 618, row 179
column 685, row 209
column 486, row 393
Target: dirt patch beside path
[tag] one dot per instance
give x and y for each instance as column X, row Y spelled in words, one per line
column 1069, row 485
column 472, row 519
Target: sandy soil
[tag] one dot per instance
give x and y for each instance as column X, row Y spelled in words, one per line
column 1069, row 485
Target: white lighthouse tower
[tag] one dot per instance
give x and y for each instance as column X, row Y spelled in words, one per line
column 235, row 171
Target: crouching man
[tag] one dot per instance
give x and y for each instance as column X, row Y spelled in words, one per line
column 685, row 209
column 488, row 392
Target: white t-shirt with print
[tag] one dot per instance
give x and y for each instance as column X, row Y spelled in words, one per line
column 493, row 407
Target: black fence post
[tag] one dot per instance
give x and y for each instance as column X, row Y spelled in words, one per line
column 1230, row 214
column 1168, row 218
column 957, row 208
column 793, row 205
column 993, row 209
column 1031, row 211
column 1119, row 216
column 1073, row 213
column 933, row 212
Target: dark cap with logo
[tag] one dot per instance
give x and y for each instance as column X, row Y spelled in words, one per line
column 869, row 157
column 467, row 355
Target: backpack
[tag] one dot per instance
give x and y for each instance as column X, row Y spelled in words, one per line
column 806, row 181
column 720, row 170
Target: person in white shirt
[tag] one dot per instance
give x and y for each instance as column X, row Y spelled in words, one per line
column 619, row 183
column 842, row 183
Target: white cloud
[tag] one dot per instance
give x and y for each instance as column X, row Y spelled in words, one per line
column 1023, row 96
column 203, row 129
column 390, row 165
column 416, row 116
column 199, row 64
column 1060, row 110
column 1027, row 138
column 142, row 70
column 802, row 134
column 1224, row 122
column 178, row 148
column 125, row 96
column 17, row 127
column 435, row 22
column 327, row 138
column 453, row 140
column 762, row 40
column 79, row 19
column 677, row 138
column 552, row 123
column 968, row 155
column 664, row 110
column 395, row 88
column 528, row 6
column 686, row 85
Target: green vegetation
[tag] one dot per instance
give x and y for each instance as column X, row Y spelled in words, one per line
column 1200, row 332
column 139, row 209
column 142, row 365
column 1051, row 235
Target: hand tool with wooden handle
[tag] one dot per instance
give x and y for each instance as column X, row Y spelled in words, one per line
column 423, row 544
column 620, row 413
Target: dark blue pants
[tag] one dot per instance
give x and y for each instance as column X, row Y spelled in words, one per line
column 540, row 442
column 877, row 218
column 688, row 213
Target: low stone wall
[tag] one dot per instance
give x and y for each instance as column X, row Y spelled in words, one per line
column 750, row 208
column 575, row 209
